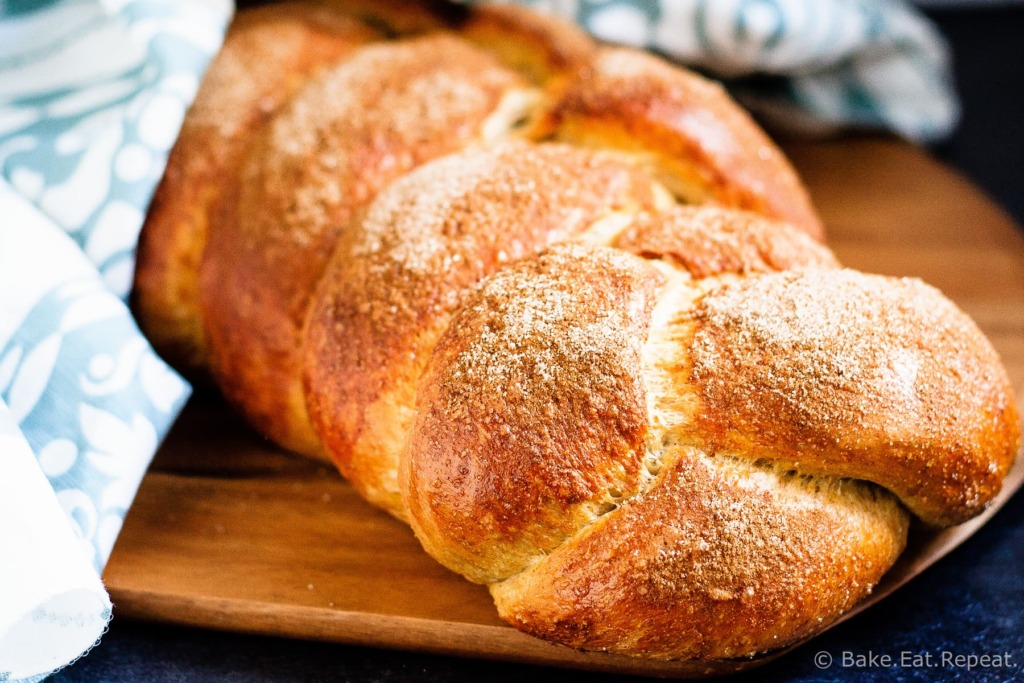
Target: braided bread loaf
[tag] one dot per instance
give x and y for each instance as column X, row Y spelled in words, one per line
column 565, row 310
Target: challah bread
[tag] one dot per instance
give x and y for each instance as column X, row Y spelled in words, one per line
column 687, row 130
column 364, row 122
column 290, row 42
column 651, row 460
column 402, row 271
column 455, row 261
column 856, row 376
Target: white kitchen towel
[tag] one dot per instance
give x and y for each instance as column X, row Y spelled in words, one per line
column 60, row 607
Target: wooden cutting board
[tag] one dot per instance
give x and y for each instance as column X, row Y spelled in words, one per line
column 228, row 532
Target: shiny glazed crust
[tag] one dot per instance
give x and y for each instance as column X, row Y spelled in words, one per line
column 632, row 464
column 392, row 107
column 697, row 141
column 291, row 42
column 403, row 270
column 447, row 249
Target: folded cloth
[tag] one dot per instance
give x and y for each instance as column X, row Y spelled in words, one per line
column 60, row 607
column 92, row 94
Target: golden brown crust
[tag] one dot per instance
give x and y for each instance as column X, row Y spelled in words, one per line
column 533, row 414
column 719, row 559
column 542, row 462
column 359, row 125
column 289, row 42
column 860, row 376
column 733, row 530
column 395, row 281
column 701, row 144
column 708, row 240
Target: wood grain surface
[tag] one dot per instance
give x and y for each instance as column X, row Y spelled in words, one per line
column 229, row 532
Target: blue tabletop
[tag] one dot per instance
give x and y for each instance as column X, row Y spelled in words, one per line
column 963, row 619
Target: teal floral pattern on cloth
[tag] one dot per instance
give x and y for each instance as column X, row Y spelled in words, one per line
column 92, row 399
column 59, row 606
column 93, row 101
column 92, row 96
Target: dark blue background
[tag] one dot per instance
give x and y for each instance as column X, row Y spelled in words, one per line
column 971, row 602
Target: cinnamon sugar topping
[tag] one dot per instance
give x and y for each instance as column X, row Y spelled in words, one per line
column 860, row 375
